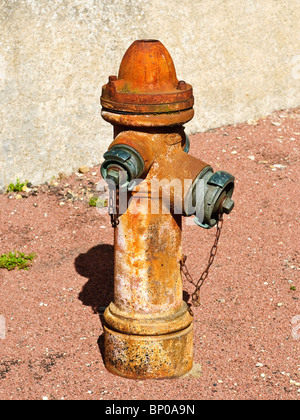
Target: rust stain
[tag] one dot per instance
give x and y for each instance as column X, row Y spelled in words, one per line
column 148, row 119
column 146, row 357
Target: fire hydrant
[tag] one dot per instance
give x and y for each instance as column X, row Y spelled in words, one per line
column 148, row 328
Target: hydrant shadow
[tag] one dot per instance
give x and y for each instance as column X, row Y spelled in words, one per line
column 98, row 266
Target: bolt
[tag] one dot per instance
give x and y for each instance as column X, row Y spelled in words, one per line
column 227, row 205
column 181, row 85
column 112, row 78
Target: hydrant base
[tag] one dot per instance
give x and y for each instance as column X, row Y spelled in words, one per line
column 145, row 357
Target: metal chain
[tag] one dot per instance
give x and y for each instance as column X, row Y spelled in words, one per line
column 113, row 207
column 198, row 284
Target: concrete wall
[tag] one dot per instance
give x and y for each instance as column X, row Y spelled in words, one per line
column 241, row 56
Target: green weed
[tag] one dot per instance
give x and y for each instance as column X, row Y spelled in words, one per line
column 93, row 201
column 17, row 187
column 17, row 260
column 100, row 202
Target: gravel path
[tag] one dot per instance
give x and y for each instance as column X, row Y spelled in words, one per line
column 247, row 329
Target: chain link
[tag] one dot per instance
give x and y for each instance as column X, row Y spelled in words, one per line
column 199, row 283
column 113, row 206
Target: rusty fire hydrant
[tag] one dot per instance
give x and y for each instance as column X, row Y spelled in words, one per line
column 148, row 331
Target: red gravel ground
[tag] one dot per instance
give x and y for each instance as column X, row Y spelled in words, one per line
column 247, row 329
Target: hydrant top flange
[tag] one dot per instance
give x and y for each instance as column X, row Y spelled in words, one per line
column 147, row 84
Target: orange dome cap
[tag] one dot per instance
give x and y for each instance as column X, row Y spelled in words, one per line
column 147, row 82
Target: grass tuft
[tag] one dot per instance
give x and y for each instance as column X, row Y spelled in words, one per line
column 17, row 260
column 17, row 187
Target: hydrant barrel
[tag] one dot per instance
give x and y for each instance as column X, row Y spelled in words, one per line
column 148, row 327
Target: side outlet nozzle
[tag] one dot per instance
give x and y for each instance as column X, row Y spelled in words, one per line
column 219, row 190
column 120, row 160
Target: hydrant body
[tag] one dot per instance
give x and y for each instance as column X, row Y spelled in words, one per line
column 148, row 331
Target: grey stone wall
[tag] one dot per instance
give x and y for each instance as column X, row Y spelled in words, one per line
column 241, row 56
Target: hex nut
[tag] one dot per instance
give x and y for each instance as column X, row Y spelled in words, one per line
column 227, row 205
